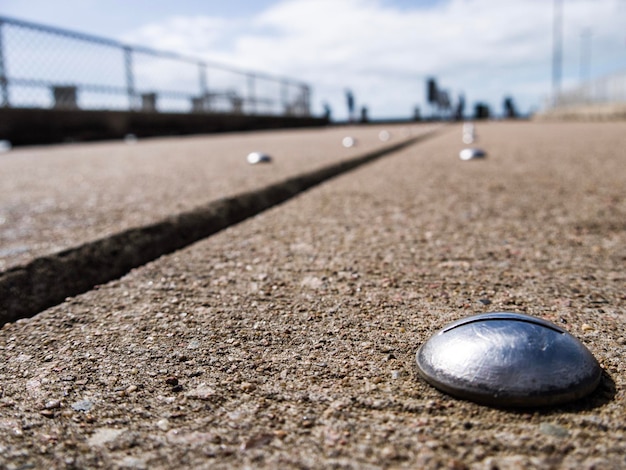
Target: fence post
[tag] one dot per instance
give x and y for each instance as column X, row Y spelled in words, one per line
column 307, row 100
column 202, row 75
column 284, row 97
column 204, row 90
column 130, row 79
column 4, row 82
column 251, row 93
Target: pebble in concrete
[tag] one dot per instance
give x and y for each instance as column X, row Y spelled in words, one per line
column 82, row 405
column 472, row 154
column 258, row 157
column 508, row 359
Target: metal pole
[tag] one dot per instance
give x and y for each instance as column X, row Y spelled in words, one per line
column 585, row 55
column 4, row 83
column 557, row 52
column 251, row 93
column 130, row 79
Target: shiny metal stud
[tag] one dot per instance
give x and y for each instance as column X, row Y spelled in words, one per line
column 472, row 154
column 258, row 157
column 384, row 135
column 508, row 360
column 348, row 142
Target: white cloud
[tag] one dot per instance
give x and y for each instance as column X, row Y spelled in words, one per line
column 487, row 48
column 198, row 35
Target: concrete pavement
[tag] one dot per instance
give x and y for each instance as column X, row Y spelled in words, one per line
column 47, row 280
column 288, row 340
column 56, row 197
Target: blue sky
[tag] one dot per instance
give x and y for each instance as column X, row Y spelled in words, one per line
column 381, row 49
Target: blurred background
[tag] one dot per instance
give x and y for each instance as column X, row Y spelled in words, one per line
column 374, row 59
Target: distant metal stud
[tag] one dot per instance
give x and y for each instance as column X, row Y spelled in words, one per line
column 472, row 154
column 508, row 359
column 348, row 142
column 130, row 139
column 469, row 134
column 384, row 135
column 469, row 131
column 258, row 157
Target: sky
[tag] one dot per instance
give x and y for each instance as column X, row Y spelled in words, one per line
column 382, row 50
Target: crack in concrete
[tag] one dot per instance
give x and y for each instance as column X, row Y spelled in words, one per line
column 49, row 280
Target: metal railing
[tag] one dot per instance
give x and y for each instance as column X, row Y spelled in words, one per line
column 608, row 89
column 46, row 67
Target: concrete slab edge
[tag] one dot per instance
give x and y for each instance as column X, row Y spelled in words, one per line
column 49, row 280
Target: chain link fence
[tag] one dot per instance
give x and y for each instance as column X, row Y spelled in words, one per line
column 45, row 67
column 610, row 89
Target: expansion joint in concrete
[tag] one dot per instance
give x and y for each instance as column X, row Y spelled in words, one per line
column 49, row 280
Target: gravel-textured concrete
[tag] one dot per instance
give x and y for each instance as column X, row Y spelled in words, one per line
column 288, row 341
column 54, row 198
column 48, row 280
